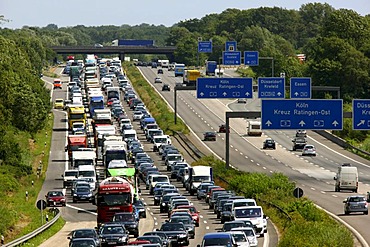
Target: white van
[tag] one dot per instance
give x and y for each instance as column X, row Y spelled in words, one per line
column 255, row 215
column 129, row 135
column 346, row 178
column 88, row 171
column 242, row 203
column 254, row 128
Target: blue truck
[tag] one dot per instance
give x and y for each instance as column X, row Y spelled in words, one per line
column 179, row 69
column 133, row 42
column 211, row 67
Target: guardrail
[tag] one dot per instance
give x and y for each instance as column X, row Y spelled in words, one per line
column 33, row 234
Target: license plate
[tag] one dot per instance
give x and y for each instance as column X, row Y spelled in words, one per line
column 112, row 242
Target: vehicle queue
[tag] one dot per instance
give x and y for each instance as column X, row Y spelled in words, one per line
column 111, row 144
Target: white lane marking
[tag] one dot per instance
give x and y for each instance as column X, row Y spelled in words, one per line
column 205, row 222
column 334, row 195
column 207, row 227
column 81, row 209
column 313, row 188
column 201, row 216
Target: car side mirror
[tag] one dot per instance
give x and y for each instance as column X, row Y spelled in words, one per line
column 66, row 149
column 344, row 201
column 335, row 178
column 69, row 238
column 62, row 176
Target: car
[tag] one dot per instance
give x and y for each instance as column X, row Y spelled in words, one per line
column 222, row 128
column 140, row 206
column 188, row 223
column 78, row 242
column 98, row 46
column 355, row 204
column 83, row 194
column 195, row 214
column 242, row 100
column 55, row 197
column 269, row 143
column 166, row 87
column 162, row 235
column 129, row 220
column 59, row 104
column 85, row 233
column 160, row 71
column 309, row 150
column 152, row 239
column 57, row 84
column 240, row 238
column 137, row 115
column 233, row 224
column 250, row 233
column 113, row 234
column 301, row 133
column 176, row 233
column 299, row 143
column 218, row 239
column 209, row 136
column 157, row 80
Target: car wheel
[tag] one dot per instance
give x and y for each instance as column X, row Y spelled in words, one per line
column 222, row 221
column 262, row 234
column 144, row 215
column 136, row 235
column 366, row 213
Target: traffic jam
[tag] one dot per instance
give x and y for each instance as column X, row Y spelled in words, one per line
column 121, row 161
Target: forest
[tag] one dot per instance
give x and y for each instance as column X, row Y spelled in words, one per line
column 336, row 43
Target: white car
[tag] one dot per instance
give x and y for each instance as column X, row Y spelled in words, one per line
column 309, row 150
column 240, row 238
column 250, row 233
column 137, row 115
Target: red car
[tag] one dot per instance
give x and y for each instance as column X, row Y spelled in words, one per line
column 55, row 197
column 194, row 212
column 138, row 242
column 222, row 128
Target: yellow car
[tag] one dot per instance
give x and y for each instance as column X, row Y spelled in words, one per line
column 59, row 104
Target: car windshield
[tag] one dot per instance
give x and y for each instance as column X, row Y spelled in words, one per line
column 185, row 220
column 248, row 232
column 239, row 237
column 55, row 193
column 83, row 243
column 114, row 199
column 83, row 189
column 248, row 213
column 83, row 234
column 172, row 227
column 160, row 179
column 200, row 178
column 356, row 199
column 112, row 230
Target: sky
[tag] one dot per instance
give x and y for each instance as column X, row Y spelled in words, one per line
column 67, row 13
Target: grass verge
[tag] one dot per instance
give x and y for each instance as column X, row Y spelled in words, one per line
column 299, row 221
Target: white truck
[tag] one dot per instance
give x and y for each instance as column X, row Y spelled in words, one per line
column 165, row 63
column 83, row 158
column 159, row 140
column 254, row 128
column 197, row 175
column 114, row 150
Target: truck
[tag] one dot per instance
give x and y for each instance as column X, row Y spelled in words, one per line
column 96, row 102
column 114, row 194
column 74, row 72
column 84, row 157
column 346, row 178
column 76, row 113
column 254, row 128
column 197, row 175
column 68, row 177
column 211, row 67
column 75, row 142
column 113, row 92
column 179, row 69
column 165, row 63
column 114, row 150
column 133, row 42
column 190, row 77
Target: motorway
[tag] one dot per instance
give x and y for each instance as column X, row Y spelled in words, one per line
column 83, row 215
column 313, row 174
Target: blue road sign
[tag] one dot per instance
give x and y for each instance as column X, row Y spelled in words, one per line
column 231, row 46
column 214, row 88
column 205, row 46
column 302, row 114
column 231, row 57
column 251, row 58
column 271, row 87
column 300, row 88
column 361, row 114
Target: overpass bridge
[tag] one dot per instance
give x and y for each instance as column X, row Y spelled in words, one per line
column 120, row 50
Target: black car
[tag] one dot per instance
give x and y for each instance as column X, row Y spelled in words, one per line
column 113, row 234
column 226, row 214
column 162, row 235
column 164, row 202
column 78, row 242
column 269, row 143
column 160, row 71
column 84, row 233
column 83, row 194
column 188, row 223
column 176, row 232
column 166, row 87
column 140, row 206
column 299, row 143
column 129, row 220
column 209, row 136
column 234, row 224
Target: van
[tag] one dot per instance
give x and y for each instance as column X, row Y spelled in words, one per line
column 88, row 171
column 255, row 215
column 129, row 135
column 346, row 178
column 242, row 203
column 254, row 128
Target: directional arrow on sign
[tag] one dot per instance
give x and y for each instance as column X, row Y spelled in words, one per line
column 361, row 122
column 279, row 94
column 224, row 94
column 247, row 93
column 201, row 94
column 301, row 123
column 335, row 123
column 296, row 93
column 268, row 123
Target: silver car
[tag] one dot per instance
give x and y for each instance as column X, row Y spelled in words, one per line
column 309, row 149
column 354, row 204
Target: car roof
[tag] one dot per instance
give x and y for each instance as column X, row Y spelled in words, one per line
column 217, row 235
